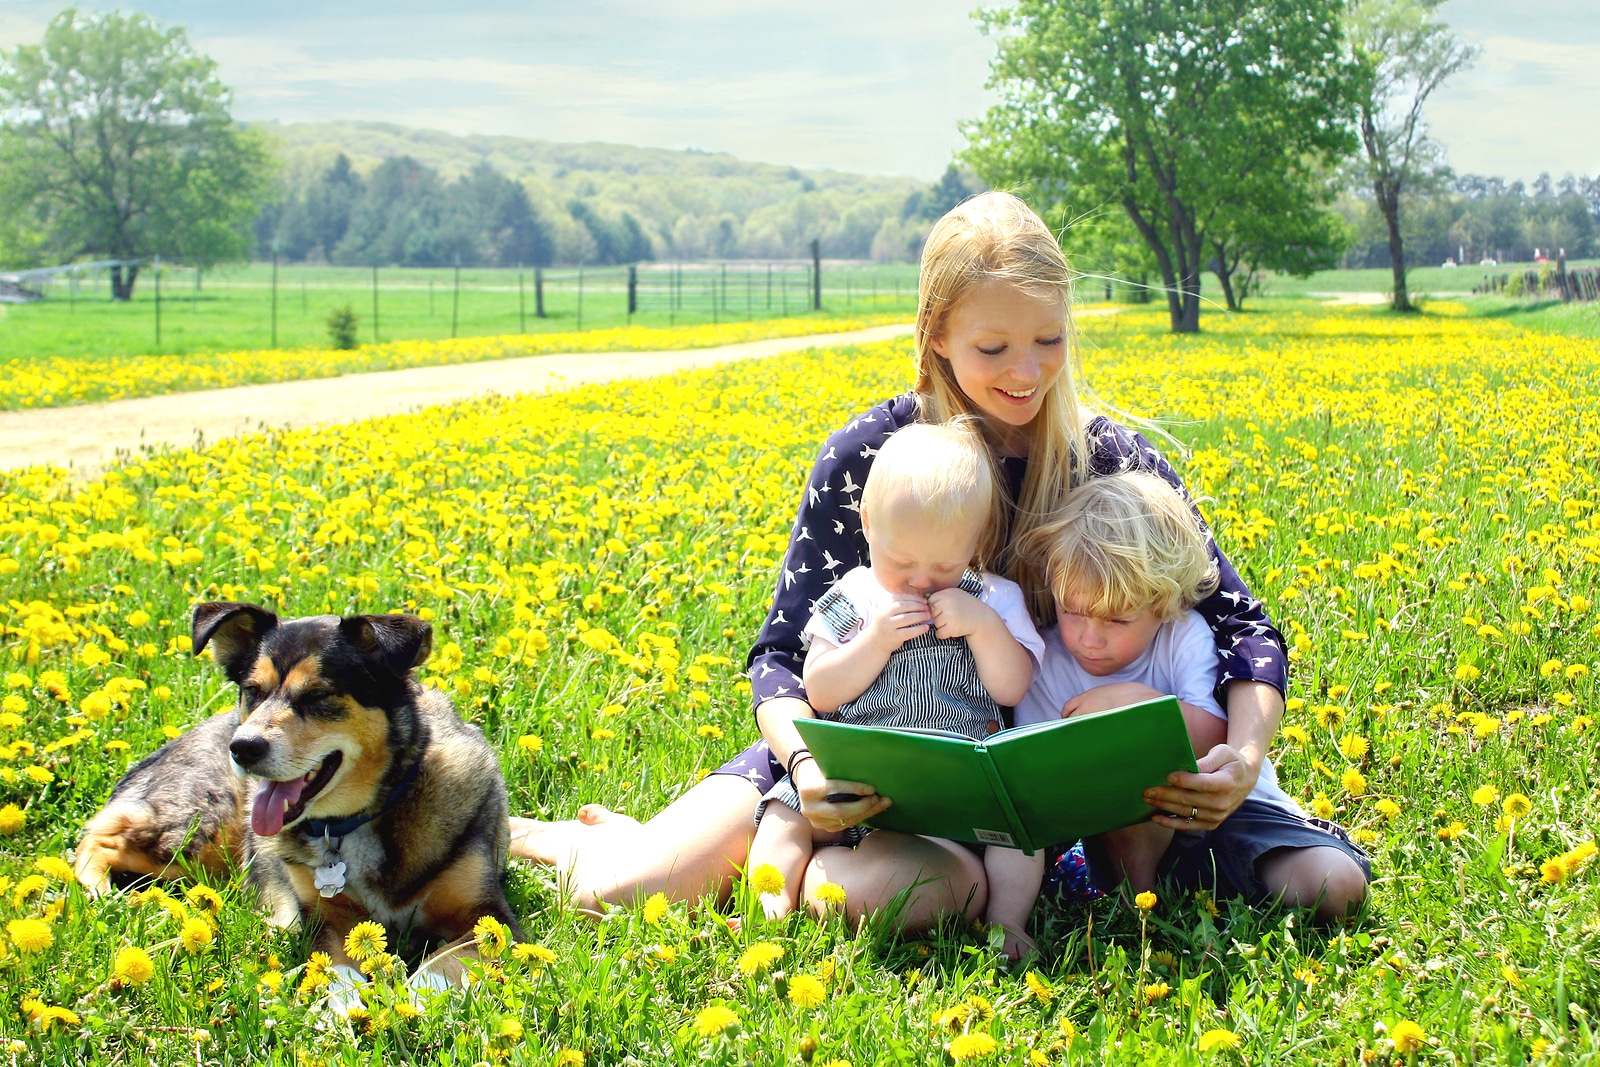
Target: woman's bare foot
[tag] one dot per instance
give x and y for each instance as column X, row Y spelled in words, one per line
column 599, row 815
column 553, row 843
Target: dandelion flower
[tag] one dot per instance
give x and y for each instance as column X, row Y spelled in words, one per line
column 767, row 879
column 1466, row 672
column 54, row 1014
column 1156, row 990
column 1354, row 782
column 509, row 1030
column 965, row 1047
column 133, row 966
column 807, row 991
column 1407, row 1036
column 12, row 819
column 570, row 1057
column 655, row 909
column 1354, row 746
column 205, row 898
column 30, row 935
column 758, row 957
column 196, row 936
column 711, row 1021
column 492, row 936
column 831, row 894
column 537, row 955
column 530, row 744
column 1388, row 808
column 58, row 869
column 1516, row 805
column 1145, row 901
column 1039, row 987
column 1485, row 795
column 1212, row 1040
column 365, row 939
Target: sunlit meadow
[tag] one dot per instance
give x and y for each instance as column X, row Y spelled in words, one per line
column 60, row 380
column 1415, row 499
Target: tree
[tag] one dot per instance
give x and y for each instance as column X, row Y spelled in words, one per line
column 1280, row 226
column 1404, row 55
column 118, row 138
column 1175, row 110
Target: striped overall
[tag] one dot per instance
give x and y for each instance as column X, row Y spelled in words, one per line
column 929, row 683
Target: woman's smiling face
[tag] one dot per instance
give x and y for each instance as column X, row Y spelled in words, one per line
column 1006, row 347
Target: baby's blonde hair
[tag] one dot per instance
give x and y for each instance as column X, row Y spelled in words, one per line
column 942, row 470
column 996, row 237
column 1123, row 544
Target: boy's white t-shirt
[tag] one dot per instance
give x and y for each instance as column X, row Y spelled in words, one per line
column 1182, row 661
column 868, row 598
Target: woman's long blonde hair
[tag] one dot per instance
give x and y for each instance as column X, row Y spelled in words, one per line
column 996, row 237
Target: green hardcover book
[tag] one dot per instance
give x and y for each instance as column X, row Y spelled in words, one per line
column 1027, row 788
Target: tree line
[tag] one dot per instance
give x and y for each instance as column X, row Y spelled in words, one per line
column 1167, row 139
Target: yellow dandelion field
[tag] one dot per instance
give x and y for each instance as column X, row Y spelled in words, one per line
column 1415, row 500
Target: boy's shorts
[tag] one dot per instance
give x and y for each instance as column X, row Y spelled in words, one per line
column 1223, row 860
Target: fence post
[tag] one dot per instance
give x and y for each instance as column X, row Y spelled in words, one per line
column 1561, row 277
column 374, row 303
column 522, row 303
column 455, row 301
column 538, row 292
column 633, row 291
column 158, row 301
column 816, row 274
column 274, row 294
column 580, row 297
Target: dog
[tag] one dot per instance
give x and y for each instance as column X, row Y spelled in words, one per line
column 348, row 790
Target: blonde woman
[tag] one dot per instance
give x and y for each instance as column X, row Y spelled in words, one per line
column 994, row 341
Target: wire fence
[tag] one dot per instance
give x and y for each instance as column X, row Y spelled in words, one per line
column 176, row 308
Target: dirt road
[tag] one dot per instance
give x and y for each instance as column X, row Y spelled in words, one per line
column 87, row 437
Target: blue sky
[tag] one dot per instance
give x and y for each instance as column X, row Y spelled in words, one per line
column 874, row 87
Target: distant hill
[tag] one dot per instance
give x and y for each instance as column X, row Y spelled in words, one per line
column 688, row 204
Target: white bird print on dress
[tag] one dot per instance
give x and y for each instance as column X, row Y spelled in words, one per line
column 830, row 564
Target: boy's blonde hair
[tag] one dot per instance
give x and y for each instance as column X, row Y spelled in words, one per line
column 943, row 470
column 1123, row 544
column 996, row 237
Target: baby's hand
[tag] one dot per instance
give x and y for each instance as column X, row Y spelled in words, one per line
column 957, row 613
column 904, row 617
column 1106, row 697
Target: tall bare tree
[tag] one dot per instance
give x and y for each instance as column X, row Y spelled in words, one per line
column 1404, row 54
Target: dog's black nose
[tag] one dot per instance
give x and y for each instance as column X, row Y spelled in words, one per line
column 248, row 750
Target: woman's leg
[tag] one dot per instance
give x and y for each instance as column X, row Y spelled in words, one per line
column 944, row 878
column 693, row 847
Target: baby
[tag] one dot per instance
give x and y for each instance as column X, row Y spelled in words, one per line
column 1126, row 562
column 918, row 639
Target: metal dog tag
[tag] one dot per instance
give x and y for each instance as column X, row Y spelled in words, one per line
column 330, row 876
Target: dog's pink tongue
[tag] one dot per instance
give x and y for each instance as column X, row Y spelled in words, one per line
column 266, row 816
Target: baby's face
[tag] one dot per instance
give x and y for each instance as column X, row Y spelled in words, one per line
column 1104, row 646
column 910, row 556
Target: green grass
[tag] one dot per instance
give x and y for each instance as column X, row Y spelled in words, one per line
column 233, row 308
column 1412, row 497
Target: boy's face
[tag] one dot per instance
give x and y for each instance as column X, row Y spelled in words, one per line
column 1104, row 646
column 909, row 556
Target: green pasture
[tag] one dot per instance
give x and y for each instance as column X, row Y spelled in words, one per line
column 231, row 309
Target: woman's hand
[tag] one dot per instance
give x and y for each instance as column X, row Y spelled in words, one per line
column 1201, row 801
column 826, row 815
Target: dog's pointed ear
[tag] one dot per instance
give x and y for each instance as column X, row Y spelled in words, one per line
column 234, row 632
column 397, row 642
